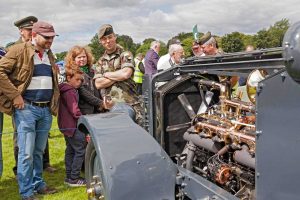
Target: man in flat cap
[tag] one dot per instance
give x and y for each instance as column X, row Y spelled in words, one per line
column 25, row 26
column 114, row 73
column 29, row 92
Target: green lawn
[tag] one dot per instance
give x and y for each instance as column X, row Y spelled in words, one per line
column 8, row 184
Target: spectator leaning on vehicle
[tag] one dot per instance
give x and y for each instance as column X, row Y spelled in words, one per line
column 114, row 73
column 29, row 91
column 176, row 53
column 209, row 45
column 165, row 58
column 151, row 58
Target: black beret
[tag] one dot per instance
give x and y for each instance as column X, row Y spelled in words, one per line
column 26, row 22
column 104, row 30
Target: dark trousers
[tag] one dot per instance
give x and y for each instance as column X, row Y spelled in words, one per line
column 139, row 88
column 46, row 157
column 74, row 154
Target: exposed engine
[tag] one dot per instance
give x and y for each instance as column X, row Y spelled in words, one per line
column 221, row 141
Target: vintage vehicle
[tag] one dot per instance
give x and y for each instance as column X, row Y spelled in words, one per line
column 203, row 138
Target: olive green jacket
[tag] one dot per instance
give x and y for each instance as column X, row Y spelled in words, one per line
column 16, row 70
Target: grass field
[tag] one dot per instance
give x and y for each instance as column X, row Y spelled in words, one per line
column 8, row 184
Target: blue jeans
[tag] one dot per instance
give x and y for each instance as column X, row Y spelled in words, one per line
column 124, row 108
column 33, row 124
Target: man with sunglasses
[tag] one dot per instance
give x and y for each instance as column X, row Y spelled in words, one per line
column 25, row 30
column 29, row 92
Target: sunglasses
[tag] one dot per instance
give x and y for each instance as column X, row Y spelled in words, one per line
column 47, row 37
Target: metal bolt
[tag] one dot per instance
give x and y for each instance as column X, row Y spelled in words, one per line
column 138, row 162
column 91, row 192
column 101, row 197
column 110, row 167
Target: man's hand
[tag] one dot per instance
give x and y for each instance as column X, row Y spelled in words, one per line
column 108, row 102
column 18, row 102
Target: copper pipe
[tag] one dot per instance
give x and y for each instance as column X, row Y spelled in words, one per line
column 224, row 131
column 239, row 104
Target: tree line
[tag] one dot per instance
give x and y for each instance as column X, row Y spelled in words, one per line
column 231, row 42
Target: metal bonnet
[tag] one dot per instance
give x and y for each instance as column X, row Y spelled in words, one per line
column 291, row 51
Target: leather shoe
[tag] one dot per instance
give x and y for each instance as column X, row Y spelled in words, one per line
column 47, row 190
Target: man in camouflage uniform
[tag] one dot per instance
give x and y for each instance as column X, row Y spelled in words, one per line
column 114, row 73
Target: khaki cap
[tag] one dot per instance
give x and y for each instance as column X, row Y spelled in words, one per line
column 104, row 30
column 26, row 22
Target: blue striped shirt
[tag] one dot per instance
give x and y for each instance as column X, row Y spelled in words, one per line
column 40, row 88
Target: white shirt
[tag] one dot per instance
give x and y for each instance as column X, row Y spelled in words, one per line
column 163, row 62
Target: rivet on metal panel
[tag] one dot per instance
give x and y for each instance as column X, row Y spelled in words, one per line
column 110, row 167
column 283, row 76
column 214, row 197
column 164, row 157
column 257, row 174
column 138, row 162
column 258, row 132
column 287, row 44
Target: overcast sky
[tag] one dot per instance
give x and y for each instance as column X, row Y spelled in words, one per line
column 77, row 21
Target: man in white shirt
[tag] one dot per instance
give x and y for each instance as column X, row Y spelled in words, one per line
column 165, row 58
column 176, row 54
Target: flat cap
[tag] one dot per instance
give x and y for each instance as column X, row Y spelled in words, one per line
column 44, row 29
column 104, row 30
column 26, row 22
column 205, row 38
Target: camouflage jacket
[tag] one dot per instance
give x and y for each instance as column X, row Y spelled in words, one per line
column 122, row 91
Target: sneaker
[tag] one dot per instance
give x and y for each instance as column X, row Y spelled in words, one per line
column 76, row 183
column 66, row 181
column 47, row 190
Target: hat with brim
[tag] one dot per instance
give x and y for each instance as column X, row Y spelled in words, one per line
column 26, row 22
column 44, row 29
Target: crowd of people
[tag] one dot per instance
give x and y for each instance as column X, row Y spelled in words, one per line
column 33, row 88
